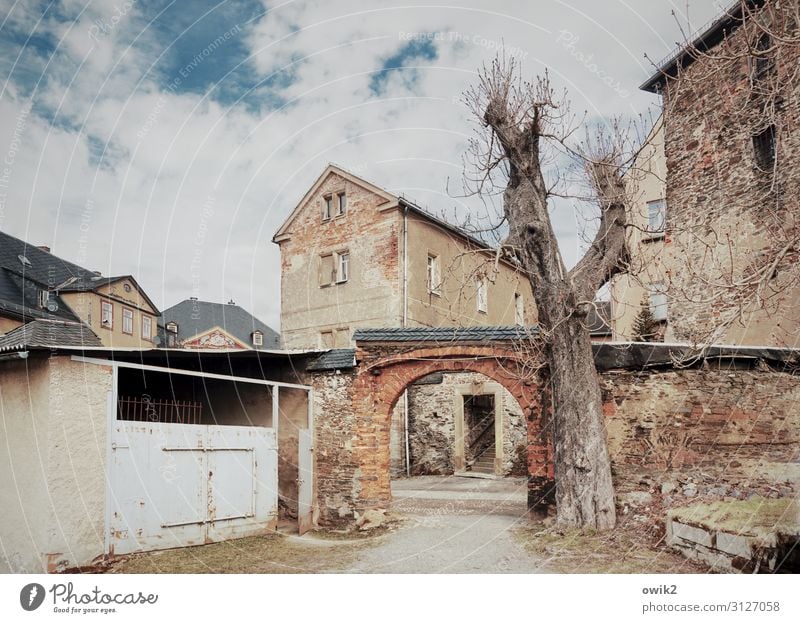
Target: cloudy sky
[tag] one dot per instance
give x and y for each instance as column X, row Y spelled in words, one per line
column 137, row 137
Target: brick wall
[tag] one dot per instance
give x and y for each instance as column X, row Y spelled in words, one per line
column 716, row 193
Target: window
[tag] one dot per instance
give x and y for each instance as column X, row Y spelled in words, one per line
column 327, row 207
column 334, row 268
column 44, row 298
column 519, row 309
column 147, row 328
column 127, row 321
column 106, row 315
column 433, row 282
column 764, row 148
column 326, row 272
column 341, row 204
column 656, row 216
column 258, row 338
column 762, row 60
column 342, row 267
column 482, row 294
column 658, row 301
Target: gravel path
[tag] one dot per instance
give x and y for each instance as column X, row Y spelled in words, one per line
column 453, row 525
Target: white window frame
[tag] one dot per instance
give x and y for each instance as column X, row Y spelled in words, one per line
column 127, row 321
column 658, row 301
column 107, row 306
column 657, row 228
column 433, row 273
column 258, row 338
column 482, row 294
column 341, row 203
column 147, row 322
column 342, row 259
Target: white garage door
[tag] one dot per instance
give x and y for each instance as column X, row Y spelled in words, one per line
column 173, row 485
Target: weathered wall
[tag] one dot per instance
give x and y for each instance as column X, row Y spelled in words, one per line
column 737, row 429
column 432, row 426
column 24, row 504
column 455, row 304
column 645, row 181
column 54, row 457
column 371, row 296
column 717, row 192
column 338, row 474
column 77, row 462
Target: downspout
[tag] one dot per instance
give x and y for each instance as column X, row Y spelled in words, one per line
column 404, row 322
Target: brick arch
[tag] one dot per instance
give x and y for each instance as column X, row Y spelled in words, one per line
column 382, row 375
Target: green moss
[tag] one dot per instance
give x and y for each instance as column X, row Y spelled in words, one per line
column 762, row 518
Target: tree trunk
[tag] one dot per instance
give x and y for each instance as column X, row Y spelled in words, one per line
column 584, row 490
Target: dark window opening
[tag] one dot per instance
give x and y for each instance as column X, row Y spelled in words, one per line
column 764, row 148
column 762, row 61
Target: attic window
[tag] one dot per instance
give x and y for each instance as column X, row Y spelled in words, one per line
column 127, row 287
column 172, row 327
column 25, row 261
column 341, row 203
column 258, row 338
column 327, row 207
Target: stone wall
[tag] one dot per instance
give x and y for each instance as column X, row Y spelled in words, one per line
column 717, row 192
column 727, row 432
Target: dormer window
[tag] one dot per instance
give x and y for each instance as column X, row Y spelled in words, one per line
column 172, row 327
column 258, row 338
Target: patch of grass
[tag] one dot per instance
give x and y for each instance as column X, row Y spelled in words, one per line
column 627, row 549
column 763, row 518
column 264, row 554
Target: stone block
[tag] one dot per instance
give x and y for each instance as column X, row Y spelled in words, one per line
column 692, row 534
column 734, row 544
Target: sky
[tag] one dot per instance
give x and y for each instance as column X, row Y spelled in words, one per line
column 169, row 140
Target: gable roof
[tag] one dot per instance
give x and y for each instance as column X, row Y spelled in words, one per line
column 49, row 334
column 25, row 269
column 709, row 37
column 195, row 317
column 329, row 170
column 391, row 200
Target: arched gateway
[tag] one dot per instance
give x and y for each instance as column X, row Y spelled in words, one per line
column 389, row 360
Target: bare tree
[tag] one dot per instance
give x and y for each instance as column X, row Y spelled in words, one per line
column 519, row 124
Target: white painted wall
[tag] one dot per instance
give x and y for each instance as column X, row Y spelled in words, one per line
column 52, row 463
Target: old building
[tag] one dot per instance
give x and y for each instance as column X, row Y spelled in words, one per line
column 731, row 148
column 202, row 324
column 354, row 255
column 644, row 288
column 37, row 285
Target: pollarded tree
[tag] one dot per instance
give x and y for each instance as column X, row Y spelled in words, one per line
column 520, row 125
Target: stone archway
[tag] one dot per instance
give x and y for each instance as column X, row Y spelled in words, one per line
column 385, row 370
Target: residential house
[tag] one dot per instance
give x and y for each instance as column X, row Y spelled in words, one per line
column 354, row 255
column 201, row 324
column 37, row 286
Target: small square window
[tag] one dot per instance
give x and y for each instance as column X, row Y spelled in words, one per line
column 127, row 321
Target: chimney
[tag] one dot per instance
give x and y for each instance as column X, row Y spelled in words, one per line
column 43, row 247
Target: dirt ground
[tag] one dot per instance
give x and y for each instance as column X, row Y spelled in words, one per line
column 442, row 525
